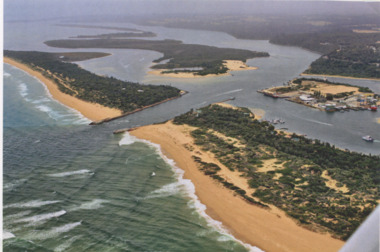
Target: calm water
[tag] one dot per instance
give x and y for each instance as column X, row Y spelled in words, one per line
column 72, row 187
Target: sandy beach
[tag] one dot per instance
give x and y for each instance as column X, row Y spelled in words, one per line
column 339, row 76
column 92, row 111
column 232, row 65
column 270, row 230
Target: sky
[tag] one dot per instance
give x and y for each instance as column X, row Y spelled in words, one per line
column 49, row 9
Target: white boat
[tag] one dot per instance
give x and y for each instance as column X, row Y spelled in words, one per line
column 368, row 138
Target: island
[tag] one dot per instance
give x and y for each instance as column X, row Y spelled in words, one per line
column 178, row 58
column 98, row 98
column 348, row 44
column 325, row 95
column 277, row 191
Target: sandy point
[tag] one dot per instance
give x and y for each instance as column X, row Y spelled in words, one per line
column 232, row 65
column 270, row 230
column 92, row 111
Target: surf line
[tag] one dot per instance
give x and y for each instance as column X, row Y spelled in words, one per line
column 189, row 189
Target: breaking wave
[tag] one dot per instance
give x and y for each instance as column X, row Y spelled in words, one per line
column 167, row 190
column 41, row 217
column 6, row 75
column 53, row 232
column 23, row 89
column 94, row 204
column 70, row 173
column 10, row 186
column 188, row 188
column 31, row 204
column 128, row 139
column 64, row 246
column 7, row 235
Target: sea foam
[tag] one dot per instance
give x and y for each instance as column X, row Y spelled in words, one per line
column 41, row 217
column 31, row 204
column 44, row 108
column 70, row 173
column 167, row 190
column 128, row 139
column 52, row 233
column 17, row 215
column 6, row 75
column 14, row 184
column 23, row 89
column 189, row 189
column 7, row 235
column 94, row 204
column 64, row 246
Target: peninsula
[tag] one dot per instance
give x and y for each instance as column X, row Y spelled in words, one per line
column 278, row 192
column 96, row 97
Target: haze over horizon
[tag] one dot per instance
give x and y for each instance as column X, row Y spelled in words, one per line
column 16, row 10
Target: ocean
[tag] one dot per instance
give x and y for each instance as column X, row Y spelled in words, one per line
column 68, row 186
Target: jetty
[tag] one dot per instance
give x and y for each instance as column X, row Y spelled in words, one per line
column 119, row 131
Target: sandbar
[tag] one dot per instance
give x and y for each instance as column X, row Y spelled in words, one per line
column 92, row 111
column 270, row 230
column 232, row 65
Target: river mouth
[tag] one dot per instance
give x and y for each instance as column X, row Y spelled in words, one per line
column 70, row 185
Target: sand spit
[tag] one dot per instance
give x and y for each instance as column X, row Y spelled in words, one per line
column 92, row 111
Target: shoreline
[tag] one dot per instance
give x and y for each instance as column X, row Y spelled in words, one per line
column 270, row 230
column 339, row 76
column 92, row 111
column 232, row 65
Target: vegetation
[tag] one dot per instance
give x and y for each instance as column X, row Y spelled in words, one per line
column 180, row 55
column 119, row 35
column 297, row 180
column 77, row 56
column 348, row 42
column 211, row 170
column 107, row 91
